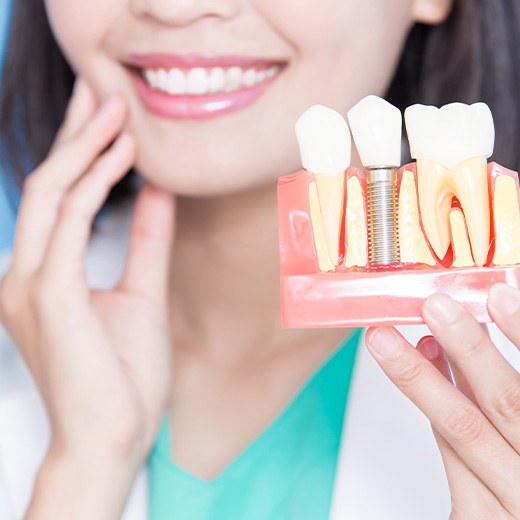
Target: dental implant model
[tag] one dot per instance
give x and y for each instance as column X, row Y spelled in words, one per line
column 448, row 222
column 377, row 127
column 452, row 145
column 325, row 146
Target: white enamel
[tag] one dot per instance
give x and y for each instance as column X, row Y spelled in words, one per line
column 201, row 81
column 450, row 134
column 377, row 129
column 324, row 139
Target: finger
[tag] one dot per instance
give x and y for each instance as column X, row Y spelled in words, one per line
column 462, row 383
column 82, row 107
column 455, row 417
column 494, row 382
column 470, row 496
column 47, row 185
column 69, row 240
column 504, row 307
column 434, row 353
column 151, row 236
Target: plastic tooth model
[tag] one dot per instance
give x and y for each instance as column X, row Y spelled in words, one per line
column 376, row 128
column 324, row 139
column 366, row 246
column 451, row 145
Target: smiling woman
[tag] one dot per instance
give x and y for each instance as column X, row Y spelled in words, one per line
column 199, row 98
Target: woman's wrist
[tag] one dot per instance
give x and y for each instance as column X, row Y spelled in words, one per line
column 81, row 486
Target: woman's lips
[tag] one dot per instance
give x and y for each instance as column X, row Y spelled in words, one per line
column 199, row 86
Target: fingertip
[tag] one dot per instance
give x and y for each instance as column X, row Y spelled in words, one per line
column 429, row 348
column 385, row 342
column 504, row 299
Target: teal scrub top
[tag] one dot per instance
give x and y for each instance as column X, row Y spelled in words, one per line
column 286, row 472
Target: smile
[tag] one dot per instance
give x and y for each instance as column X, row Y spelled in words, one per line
column 200, row 87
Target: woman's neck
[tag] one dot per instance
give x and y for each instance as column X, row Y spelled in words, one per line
column 225, row 278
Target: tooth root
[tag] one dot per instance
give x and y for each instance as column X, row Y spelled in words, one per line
column 507, row 221
column 468, row 181
column 331, row 196
column 471, row 188
column 435, row 203
column 355, row 225
column 412, row 244
column 318, row 230
column 461, row 249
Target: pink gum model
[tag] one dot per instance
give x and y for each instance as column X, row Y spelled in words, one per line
column 356, row 297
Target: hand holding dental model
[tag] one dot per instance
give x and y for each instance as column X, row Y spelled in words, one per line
column 368, row 246
column 376, row 252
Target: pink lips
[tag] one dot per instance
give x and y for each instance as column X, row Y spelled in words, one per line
column 206, row 106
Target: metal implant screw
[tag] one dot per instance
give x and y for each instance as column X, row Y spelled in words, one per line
column 383, row 232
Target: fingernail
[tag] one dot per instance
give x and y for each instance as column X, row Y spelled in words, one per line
column 429, row 348
column 385, row 342
column 442, row 310
column 433, row 352
column 504, row 299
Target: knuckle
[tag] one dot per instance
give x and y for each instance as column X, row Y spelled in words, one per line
column 464, row 424
column 507, row 406
column 409, row 374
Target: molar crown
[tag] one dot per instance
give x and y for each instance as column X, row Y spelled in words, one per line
column 324, row 139
column 450, row 134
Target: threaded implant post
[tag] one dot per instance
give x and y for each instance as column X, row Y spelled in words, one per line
column 383, row 232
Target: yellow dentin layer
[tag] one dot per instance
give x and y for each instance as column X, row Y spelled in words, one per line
column 507, row 221
column 412, row 244
column 355, row 225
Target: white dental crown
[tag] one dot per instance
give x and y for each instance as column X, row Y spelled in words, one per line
column 377, row 129
column 324, row 139
column 450, row 134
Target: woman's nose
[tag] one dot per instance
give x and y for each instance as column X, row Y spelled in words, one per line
column 185, row 12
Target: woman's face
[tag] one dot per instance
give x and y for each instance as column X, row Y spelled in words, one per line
column 332, row 52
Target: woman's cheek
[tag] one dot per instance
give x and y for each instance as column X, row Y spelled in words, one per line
column 80, row 26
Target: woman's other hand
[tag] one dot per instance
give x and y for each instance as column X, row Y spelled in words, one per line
column 475, row 414
column 101, row 358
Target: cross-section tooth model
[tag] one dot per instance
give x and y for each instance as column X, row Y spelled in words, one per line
column 324, row 140
column 429, row 230
column 451, row 145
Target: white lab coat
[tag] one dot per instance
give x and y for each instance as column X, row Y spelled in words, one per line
column 389, row 466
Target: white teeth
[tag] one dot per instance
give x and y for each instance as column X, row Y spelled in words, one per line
column 249, row 78
column 200, row 81
column 324, row 139
column 177, row 82
column 217, row 79
column 377, row 128
column 152, row 78
column 197, row 81
column 451, row 134
column 234, row 78
column 162, row 80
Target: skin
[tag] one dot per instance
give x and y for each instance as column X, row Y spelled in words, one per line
column 213, row 320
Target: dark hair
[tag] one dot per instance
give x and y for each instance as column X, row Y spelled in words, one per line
column 473, row 56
